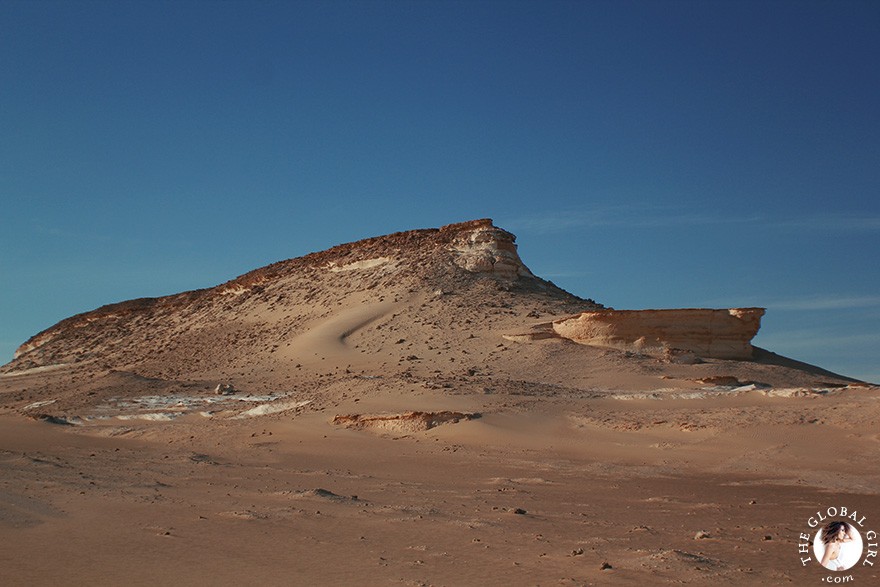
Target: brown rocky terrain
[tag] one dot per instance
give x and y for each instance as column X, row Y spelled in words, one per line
column 424, row 406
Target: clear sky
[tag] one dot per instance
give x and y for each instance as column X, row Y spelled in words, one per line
column 646, row 154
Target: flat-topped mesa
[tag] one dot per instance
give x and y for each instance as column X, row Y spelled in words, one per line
column 718, row 334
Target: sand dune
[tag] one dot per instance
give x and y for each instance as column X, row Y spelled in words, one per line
column 328, row 338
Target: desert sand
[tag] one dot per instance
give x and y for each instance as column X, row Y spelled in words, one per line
column 398, row 411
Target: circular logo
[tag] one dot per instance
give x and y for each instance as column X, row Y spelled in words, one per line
column 837, row 545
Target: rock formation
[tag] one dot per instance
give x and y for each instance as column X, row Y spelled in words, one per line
column 402, row 423
column 720, row 334
column 234, row 321
column 419, row 310
column 487, row 249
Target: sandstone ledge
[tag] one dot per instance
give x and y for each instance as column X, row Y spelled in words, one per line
column 711, row 333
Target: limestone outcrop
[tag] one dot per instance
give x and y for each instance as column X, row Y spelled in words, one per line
column 402, row 423
column 484, row 248
column 720, row 334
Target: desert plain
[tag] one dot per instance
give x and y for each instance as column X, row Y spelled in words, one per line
column 414, row 409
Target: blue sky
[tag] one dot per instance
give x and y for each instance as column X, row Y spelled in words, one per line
column 646, row 154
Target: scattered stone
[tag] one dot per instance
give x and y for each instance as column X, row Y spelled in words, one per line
column 642, row 529
column 59, row 420
column 202, row 458
column 750, row 387
column 681, row 357
column 723, row 380
column 225, row 389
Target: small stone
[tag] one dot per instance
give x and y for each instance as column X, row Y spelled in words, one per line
column 605, row 566
column 520, row 511
column 768, row 537
column 577, row 552
column 225, row 389
column 701, row 535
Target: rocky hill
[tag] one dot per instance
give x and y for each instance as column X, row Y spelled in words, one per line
column 454, row 304
column 471, row 266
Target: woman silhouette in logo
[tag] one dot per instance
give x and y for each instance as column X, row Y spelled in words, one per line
column 833, row 537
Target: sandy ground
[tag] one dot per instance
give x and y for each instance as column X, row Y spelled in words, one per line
column 533, row 492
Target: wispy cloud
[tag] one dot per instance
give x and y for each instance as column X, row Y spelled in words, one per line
column 803, row 304
column 620, row 216
column 66, row 234
column 835, row 222
column 833, row 302
column 63, row 233
column 634, row 215
column 849, row 354
column 817, row 339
